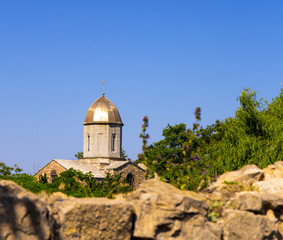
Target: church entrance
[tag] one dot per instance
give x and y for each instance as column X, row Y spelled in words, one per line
column 130, row 179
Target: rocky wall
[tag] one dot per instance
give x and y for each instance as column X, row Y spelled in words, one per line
column 246, row 204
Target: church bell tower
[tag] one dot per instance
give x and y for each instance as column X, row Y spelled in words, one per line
column 102, row 133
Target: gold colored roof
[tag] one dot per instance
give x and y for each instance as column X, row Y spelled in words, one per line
column 103, row 111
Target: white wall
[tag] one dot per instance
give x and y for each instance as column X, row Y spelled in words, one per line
column 100, row 140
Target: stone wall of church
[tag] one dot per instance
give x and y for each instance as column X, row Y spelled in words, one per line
column 49, row 168
column 115, row 145
column 138, row 174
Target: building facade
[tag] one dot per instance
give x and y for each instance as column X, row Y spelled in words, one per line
column 102, row 147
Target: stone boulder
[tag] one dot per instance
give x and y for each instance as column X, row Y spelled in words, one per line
column 274, row 171
column 271, row 188
column 248, row 226
column 243, row 178
column 23, row 215
column 247, row 201
column 93, row 218
column 165, row 212
column 27, row 216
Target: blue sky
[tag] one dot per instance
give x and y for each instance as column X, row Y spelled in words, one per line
column 159, row 58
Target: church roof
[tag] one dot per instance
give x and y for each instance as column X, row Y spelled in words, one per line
column 83, row 167
column 103, row 111
column 117, row 164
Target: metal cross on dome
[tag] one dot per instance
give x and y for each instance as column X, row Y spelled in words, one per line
column 103, row 82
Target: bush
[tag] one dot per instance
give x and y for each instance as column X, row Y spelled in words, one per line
column 71, row 182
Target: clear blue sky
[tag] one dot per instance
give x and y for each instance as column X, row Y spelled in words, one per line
column 159, row 58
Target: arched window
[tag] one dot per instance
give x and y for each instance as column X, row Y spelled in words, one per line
column 130, row 179
column 53, row 174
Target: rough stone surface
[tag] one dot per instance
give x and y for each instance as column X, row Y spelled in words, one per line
column 164, row 212
column 244, row 177
column 270, row 186
column 248, row 226
column 272, row 201
column 247, row 201
column 248, row 206
column 88, row 219
column 22, row 214
column 138, row 175
column 274, row 171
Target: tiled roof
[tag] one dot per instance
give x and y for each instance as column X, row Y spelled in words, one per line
column 83, row 167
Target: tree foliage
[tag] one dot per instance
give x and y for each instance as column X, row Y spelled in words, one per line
column 124, row 154
column 79, row 155
column 176, row 158
column 191, row 158
column 253, row 136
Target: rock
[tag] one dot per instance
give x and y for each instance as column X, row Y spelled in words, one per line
column 242, row 225
column 270, row 186
column 270, row 214
column 156, row 210
column 271, row 191
column 272, row 201
column 93, row 218
column 165, row 212
column 280, row 227
column 207, row 230
column 247, row 201
column 274, row 171
column 25, row 216
column 22, row 214
column 244, row 177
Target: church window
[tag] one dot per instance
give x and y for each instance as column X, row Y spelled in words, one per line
column 88, row 142
column 130, row 179
column 53, row 174
column 113, row 142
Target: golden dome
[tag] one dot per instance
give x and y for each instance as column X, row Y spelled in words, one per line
column 103, row 111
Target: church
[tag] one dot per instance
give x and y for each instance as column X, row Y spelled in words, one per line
column 102, row 145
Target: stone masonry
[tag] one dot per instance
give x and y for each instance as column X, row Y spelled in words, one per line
column 138, row 174
column 53, row 165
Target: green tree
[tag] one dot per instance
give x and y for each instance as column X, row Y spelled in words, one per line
column 190, row 158
column 253, row 136
column 124, row 154
column 79, row 155
column 176, row 157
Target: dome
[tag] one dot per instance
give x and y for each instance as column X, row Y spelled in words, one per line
column 103, row 111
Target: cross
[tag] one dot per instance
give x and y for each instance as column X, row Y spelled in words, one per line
column 103, row 82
